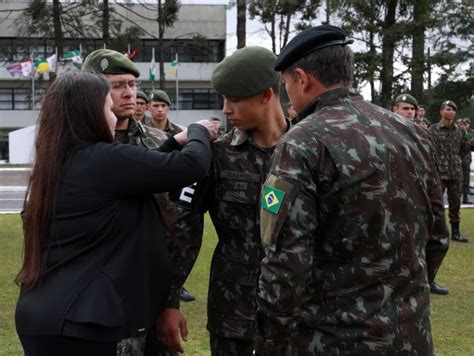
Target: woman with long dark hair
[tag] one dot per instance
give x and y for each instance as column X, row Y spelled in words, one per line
column 96, row 268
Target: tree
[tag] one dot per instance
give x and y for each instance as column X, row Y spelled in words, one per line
column 241, row 22
column 277, row 17
column 42, row 19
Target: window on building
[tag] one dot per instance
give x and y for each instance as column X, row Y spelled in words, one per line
column 20, row 98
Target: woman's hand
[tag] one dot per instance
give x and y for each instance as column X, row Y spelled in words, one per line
column 211, row 127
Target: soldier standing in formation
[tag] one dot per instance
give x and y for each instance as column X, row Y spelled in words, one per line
column 466, row 163
column 406, row 106
column 452, row 145
column 141, row 108
column 250, row 88
column 352, row 217
column 160, row 104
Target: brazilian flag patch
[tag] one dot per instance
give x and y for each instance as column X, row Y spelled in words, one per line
column 272, row 199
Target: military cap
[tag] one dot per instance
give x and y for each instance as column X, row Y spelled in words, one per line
column 308, row 41
column 107, row 61
column 160, row 95
column 406, row 98
column 449, row 103
column 246, row 72
column 143, row 96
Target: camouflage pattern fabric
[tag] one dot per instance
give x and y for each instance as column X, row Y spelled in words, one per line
column 353, row 228
column 452, row 145
column 172, row 129
column 223, row 346
column 466, row 164
column 134, row 346
column 453, row 188
column 140, row 135
column 239, row 170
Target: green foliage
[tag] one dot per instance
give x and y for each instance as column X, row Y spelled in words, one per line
column 452, row 319
column 277, row 16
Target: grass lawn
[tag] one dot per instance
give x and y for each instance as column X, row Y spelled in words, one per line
column 452, row 315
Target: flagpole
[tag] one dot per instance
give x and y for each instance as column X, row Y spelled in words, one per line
column 153, row 60
column 33, row 79
column 177, row 90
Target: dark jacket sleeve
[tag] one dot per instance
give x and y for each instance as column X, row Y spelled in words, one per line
column 131, row 170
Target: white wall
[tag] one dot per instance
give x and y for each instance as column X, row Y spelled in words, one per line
column 21, row 145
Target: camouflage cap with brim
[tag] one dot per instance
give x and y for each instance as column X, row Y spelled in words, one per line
column 449, row 103
column 160, row 95
column 406, row 98
column 143, row 96
column 107, row 61
column 246, row 72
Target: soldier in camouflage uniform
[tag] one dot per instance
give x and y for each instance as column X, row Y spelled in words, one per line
column 406, row 106
column 352, row 217
column 250, row 88
column 466, row 163
column 452, row 146
column 141, row 109
column 160, row 104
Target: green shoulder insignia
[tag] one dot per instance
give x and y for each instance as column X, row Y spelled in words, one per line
column 272, row 199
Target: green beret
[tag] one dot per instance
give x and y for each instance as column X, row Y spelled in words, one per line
column 467, row 120
column 143, row 96
column 308, row 41
column 160, row 95
column 449, row 103
column 406, row 98
column 107, row 61
column 246, row 72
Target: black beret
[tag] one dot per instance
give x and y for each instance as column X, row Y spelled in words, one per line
column 143, row 96
column 160, row 95
column 308, row 41
column 246, row 72
column 107, row 61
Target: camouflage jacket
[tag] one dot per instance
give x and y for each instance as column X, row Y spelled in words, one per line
column 140, row 135
column 239, row 170
column 468, row 158
column 172, row 129
column 452, row 145
column 353, row 228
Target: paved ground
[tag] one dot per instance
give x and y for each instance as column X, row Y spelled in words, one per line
column 13, row 183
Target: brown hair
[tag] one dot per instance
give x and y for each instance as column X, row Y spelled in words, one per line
column 72, row 117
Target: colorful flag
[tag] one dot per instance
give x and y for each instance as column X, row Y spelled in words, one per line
column 42, row 66
column 74, row 57
column 151, row 76
column 15, row 70
column 26, row 68
column 133, row 54
column 52, row 63
column 174, row 67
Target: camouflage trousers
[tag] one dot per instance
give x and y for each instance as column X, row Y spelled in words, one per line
column 224, row 346
column 466, row 177
column 134, row 346
column 454, row 190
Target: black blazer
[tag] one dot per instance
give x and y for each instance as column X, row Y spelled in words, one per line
column 108, row 270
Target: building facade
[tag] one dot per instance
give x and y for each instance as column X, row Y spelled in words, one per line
column 197, row 39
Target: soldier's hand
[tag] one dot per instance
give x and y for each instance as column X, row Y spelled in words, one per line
column 211, row 126
column 170, row 327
